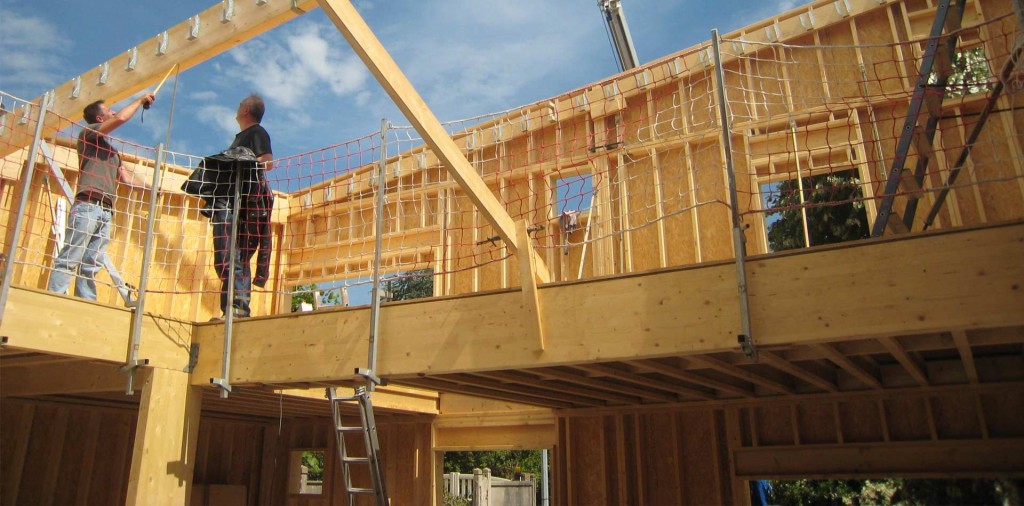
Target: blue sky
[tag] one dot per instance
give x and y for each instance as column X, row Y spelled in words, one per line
column 465, row 57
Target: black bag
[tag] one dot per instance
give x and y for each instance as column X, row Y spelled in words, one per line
column 215, row 175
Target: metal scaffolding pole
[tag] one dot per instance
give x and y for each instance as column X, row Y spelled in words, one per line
column 26, row 180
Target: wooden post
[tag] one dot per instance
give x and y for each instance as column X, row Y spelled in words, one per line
column 163, row 458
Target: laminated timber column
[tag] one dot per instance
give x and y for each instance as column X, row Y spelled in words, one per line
column 163, row 458
column 393, row 80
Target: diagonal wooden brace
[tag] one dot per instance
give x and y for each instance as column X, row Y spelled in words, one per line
column 528, row 278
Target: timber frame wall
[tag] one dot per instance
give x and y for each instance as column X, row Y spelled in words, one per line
column 636, row 382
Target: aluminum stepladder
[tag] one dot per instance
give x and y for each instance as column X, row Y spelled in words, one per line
column 367, row 424
column 370, row 459
column 939, row 55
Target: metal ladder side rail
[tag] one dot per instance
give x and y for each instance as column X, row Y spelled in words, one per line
column 965, row 151
column 947, row 57
column 910, row 125
column 371, row 444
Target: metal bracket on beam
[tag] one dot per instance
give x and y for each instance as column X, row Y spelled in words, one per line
column 26, row 111
column 227, row 10
column 129, row 370
column 295, row 7
column 772, row 32
column 193, row 27
column 807, row 20
column 260, row 3
column 223, row 385
column 104, row 74
column 161, row 43
column 76, row 88
column 370, row 376
column 842, row 7
column 193, row 357
column 133, row 59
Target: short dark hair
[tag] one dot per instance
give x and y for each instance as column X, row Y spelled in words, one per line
column 91, row 113
column 254, row 103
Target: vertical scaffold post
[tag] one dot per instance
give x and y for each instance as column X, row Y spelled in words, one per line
column 746, row 339
column 371, row 359
column 26, row 180
column 224, row 382
column 132, row 361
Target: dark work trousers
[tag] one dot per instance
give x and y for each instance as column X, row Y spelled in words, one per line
column 221, row 221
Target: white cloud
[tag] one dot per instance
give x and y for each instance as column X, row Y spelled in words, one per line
column 204, row 96
column 291, row 69
column 33, row 50
column 218, row 116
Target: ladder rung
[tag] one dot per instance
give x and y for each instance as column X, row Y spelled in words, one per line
column 923, row 145
column 909, row 184
column 367, row 491
column 896, row 225
column 346, row 428
column 356, row 460
column 953, row 22
column 933, row 96
column 943, row 65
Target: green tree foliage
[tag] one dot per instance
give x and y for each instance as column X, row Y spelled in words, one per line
column 304, row 293
column 411, row 285
column 970, row 75
column 314, row 462
column 895, row 491
column 502, row 463
column 834, row 211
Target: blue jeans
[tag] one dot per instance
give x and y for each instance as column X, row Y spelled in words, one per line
column 85, row 243
column 221, row 221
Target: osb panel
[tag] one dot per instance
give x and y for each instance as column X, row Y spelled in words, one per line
column 816, row 422
column 860, row 421
column 956, row 416
column 712, row 196
column 667, row 121
column 994, row 169
column 880, row 62
column 765, row 74
column 677, row 204
column 841, row 71
column 614, row 466
column 907, row 419
column 659, row 459
column 807, row 88
column 643, row 213
column 773, row 425
column 585, row 448
column 636, row 118
column 697, row 443
column 574, row 138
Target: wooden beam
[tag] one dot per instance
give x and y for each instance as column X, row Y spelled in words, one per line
column 926, row 459
column 637, row 317
column 964, row 347
column 393, row 80
column 795, row 370
column 165, row 439
column 733, row 370
column 848, row 365
column 61, row 378
column 442, row 385
column 908, row 362
column 40, row 321
column 639, row 379
column 521, row 378
column 528, row 281
column 213, row 37
column 674, row 372
column 606, row 385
